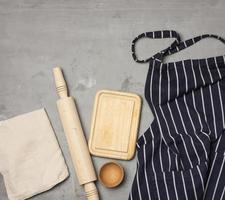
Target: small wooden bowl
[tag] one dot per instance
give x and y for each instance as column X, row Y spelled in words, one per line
column 111, row 174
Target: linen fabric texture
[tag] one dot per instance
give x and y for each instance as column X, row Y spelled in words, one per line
column 31, row 161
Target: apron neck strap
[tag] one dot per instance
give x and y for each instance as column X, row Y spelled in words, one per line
column 154, row 35
column 176, row 46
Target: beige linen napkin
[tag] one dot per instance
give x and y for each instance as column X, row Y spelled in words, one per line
column 31, row 161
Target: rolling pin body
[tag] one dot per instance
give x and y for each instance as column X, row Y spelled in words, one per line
column 75, row 137
column 76, row 140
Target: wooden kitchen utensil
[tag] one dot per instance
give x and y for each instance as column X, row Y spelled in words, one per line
column 111, row 174
column 75, row 137
column 115, row 124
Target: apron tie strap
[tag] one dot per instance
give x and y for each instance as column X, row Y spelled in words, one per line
column 176, row 46
column 187, row 43
column 154, row 35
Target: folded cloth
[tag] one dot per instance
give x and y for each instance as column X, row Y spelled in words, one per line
column 31, row 161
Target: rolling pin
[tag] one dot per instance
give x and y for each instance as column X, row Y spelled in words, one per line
column 75, row 137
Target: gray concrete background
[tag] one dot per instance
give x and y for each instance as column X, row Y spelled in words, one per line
column 91, row 41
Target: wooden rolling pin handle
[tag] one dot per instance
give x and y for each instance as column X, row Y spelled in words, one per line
column 91, row 191
column 60, row 82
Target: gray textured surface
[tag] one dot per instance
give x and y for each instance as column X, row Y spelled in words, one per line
column 91, row 41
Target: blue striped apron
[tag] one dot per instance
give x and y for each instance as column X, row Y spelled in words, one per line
column 182, row 154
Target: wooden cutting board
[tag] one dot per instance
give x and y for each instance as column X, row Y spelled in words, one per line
column 115, row 124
